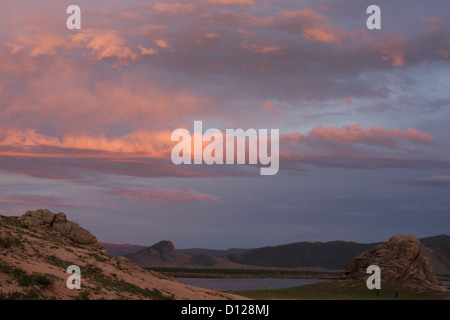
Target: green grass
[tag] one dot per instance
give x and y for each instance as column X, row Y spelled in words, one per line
column 14, row 295
column 83, row 295
column 343, row 290
column 10, row 220
column 54, row 260
column 121, row 286
column 97, row 257
column 26, row 280
column 7, row 243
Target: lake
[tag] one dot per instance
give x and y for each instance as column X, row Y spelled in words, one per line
column 252, row 283
column 246, row 283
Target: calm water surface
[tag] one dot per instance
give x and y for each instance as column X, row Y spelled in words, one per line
column 252, row 283
column 246, row 283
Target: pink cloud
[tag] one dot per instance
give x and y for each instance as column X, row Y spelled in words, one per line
column 357, row 134
column 174, row 9
column 312, row 25
column 230, row 2
column 208, row 38
column 186, row 195
column 138, row 144
column 392, row 48
column 104, row 44
column 432, row 20
column 43, row 201
column 268, row 106
column 38, row 44
column 372, row 135
column 444, row 53
column 262, row 49
column 347, row 100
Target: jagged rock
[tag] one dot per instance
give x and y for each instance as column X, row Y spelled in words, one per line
column 398, row 259
column 59, row 223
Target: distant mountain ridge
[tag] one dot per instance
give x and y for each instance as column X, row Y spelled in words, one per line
column 332, row 255
column 214, row 252
column 329, row 255
column 117, row 250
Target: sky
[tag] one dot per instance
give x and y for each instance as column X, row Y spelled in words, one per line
column 86, row 118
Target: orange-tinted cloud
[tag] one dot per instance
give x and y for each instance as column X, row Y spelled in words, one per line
column 230, row 2
column 38, row 44
column 268, row 106
column 372, row 135
column 347, row 100
column 392, row 48
column 174, row 9
column 208, row 37
column 312, row 25
column 139, row 144
column 186, row 195
column 432, row 20
column 262, row 49
column 104, row 44
column 162, row 43
column 444, row 53
column 43, row 201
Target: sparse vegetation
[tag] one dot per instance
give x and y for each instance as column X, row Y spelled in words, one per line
column 24, row 279
column 154, row 294
column 83, row 295
column 14, row 295
column 54, row 260
column 5, row 243
column 94, row 273
column 97, row 257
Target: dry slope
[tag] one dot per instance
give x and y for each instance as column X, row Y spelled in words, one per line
column 37, row 248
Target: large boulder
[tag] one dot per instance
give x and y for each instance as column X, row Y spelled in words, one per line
column 398, row 259
column 59, row 223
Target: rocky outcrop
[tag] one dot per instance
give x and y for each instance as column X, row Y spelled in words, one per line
column 59, row 223
column 398, row 259
column 162, row 254
column 37, row 248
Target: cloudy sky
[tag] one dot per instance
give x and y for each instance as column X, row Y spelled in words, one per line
column 86, row 118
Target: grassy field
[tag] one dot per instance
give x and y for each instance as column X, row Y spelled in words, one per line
column 343, row 290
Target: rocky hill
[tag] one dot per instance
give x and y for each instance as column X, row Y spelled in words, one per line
column 164, row 254
column 400, row 260
column 437, row 250
column 329, row 255
column 37, row 248
column 117, row 250
column 333, row 255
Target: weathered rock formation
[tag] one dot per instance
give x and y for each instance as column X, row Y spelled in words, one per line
column 37, row 248
column 399, row 260
column 59, row 223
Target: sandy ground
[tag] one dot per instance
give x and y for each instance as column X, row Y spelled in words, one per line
column 42, row 251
